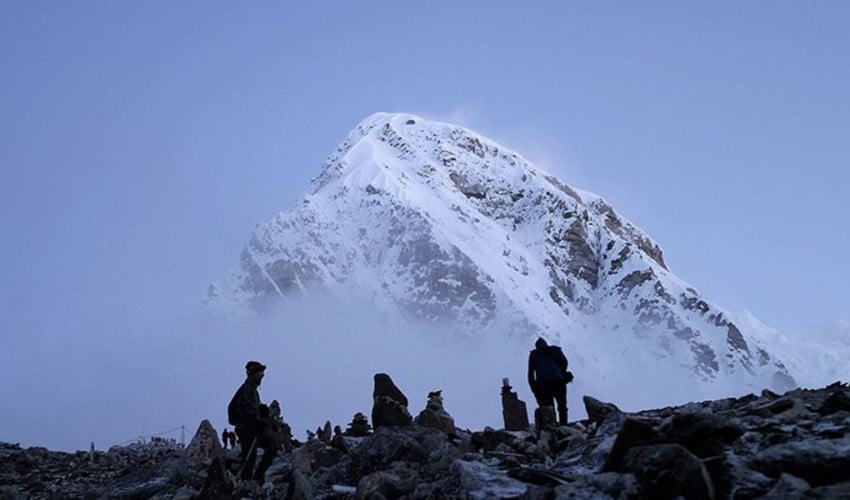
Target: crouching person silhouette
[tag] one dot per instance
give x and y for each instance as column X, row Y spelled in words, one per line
column 548, row 377
column 245, row 413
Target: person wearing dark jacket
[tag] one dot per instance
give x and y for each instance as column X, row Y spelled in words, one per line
column 548, row 377
column 252, row 428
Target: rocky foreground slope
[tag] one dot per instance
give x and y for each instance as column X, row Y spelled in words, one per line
column 795, row 445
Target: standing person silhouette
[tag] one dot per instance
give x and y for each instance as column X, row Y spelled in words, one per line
column 548, row 377
column 245, row 413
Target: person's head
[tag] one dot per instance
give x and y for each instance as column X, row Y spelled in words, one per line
column 255, row 371
column 540, row 344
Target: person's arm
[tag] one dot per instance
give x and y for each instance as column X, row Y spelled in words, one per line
column 531, row 383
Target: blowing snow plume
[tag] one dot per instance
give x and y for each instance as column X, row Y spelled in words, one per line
column 432, row 222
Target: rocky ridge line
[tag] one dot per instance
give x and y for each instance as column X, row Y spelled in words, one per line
column 794, row 445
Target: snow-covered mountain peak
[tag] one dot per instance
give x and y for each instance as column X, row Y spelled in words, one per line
column 435, row 222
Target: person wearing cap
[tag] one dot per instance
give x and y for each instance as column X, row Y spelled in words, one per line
column 245, row 413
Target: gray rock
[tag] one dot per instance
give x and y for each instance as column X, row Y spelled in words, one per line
column 489, row 439
column 427, row 450
column 597, row 411
column 789, row 487
column 544, row 419
column 203, row 448
column 304, row 457
column 299, row 487
column 219, row 484
column 819, row 461
column 703, row 434
column 606, row 485
column 840, row 490
column 837, row 401
column 386, row 484
column 668, row 471
column 634, row 432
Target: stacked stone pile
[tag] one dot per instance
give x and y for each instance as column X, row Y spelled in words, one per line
column 794, row 445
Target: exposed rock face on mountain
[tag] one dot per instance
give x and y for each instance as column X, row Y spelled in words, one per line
column 795, row 445
column 435, row 222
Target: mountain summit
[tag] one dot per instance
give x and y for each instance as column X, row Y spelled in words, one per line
column 435, row 222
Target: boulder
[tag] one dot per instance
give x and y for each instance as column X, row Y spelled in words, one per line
column 203, row 448
column 544, row 419
column 703, row 434
column 606, row 485
column 597, row 411
column 219, row 484
column 299, row 487
column 304, row 457
column 819, row 461
column 789, row 487
column 424, row 449
column 634, row 432
column 386, row 484
column 835, row 402
column 668, row 471
column 489, row 439
column 839, row 490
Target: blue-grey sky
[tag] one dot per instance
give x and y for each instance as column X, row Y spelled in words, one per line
column 141, row 141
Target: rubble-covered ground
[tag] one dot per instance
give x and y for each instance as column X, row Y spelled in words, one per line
column 794, row 445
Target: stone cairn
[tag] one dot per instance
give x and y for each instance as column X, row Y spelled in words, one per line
column 359, row 426
column 389, row 406
column 435, row 415
column 514, row 410
column 281, row 430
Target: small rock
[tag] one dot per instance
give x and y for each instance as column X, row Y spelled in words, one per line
column 597, row 411
column 837, row 401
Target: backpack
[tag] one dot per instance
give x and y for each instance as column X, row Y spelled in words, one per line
column 233, row 412
column 561, row 361
column 558, row 355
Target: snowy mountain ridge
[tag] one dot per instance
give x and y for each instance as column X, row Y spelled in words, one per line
column 435, row 222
